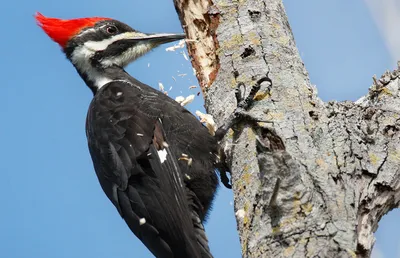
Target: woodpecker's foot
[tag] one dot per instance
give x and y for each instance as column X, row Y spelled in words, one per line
column 246, row 103
column 225, row 179
column 240, row 114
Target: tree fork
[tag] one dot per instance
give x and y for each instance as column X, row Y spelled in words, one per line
column 316, row 180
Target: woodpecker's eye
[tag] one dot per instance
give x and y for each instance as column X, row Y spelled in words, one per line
column 112, row 30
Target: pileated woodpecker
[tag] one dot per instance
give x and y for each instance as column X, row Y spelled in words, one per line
column 154, row 160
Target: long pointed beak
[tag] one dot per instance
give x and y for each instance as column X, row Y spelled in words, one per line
column 159, row 39
column 132, row 38
column 127, row 47
column 152, row 39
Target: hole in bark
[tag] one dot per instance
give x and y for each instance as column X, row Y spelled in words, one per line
column 254, row 15
column 390, row 130
column 361, row 251
column 248, row 51
column 201, row 24
column 313, row 115
column 369, row 113
column 270, row 140
column 383, row 187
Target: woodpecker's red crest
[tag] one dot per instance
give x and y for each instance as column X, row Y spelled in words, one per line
column 61, row 31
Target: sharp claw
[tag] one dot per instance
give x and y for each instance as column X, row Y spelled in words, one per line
column 242, row 106
column 245, row 104
column 243, row 115
column 264, row 79
column 238, row 93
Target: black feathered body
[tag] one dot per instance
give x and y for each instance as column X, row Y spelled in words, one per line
column 130, row 128
column 154, row 159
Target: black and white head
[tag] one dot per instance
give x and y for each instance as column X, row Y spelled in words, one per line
column 97, row 43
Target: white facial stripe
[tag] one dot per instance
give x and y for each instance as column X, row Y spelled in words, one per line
column 102, row 45
column 126, row 57
column 81, row 59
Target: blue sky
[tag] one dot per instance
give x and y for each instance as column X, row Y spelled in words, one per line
column 52, row 204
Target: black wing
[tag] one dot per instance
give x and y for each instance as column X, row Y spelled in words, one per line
column 139, row 172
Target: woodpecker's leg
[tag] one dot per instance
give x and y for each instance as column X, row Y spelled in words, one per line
column 239, row 114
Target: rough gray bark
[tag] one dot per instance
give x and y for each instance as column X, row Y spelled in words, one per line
column 335, row 166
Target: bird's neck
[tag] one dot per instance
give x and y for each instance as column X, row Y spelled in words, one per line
column 97, row 77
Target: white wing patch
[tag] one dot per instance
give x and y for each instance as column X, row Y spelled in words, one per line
column 142, row 221
column 103, row 44
column 163, row 155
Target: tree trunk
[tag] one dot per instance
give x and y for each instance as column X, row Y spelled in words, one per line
column 315, row 178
